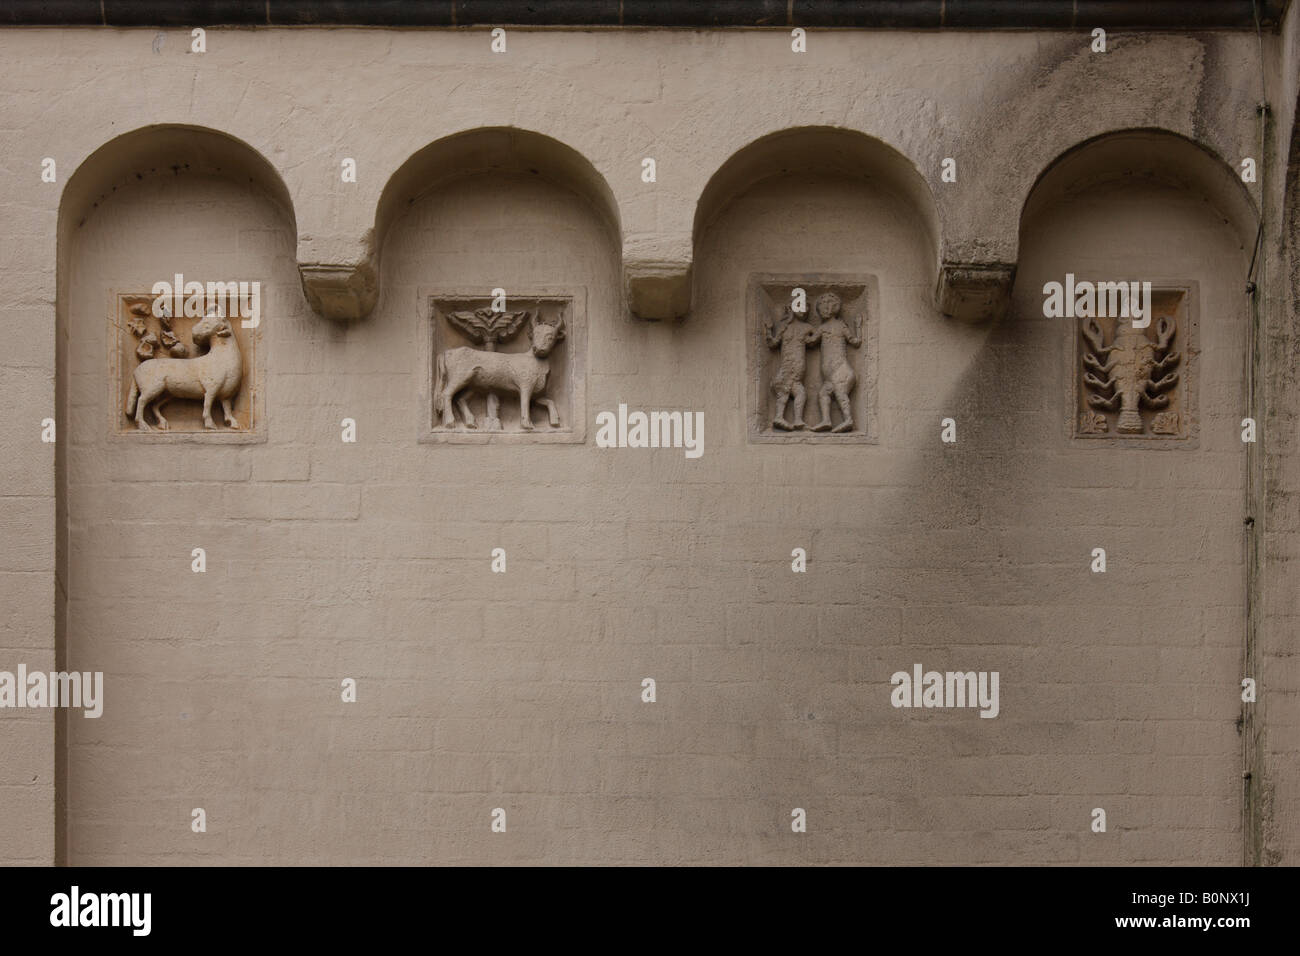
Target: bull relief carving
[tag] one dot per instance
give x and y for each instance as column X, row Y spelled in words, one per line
column 1131, row 383
column 156, row 369
column 816, row 361
column 506, row 374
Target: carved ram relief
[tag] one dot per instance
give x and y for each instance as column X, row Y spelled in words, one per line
column 181, row 376
column 812, row 359
column 506, row 371
column 1134, row 384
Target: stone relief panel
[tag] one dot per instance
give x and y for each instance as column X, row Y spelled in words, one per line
column 506, row 371
column 812, row 358
column 187, row 376
column 1135, row 385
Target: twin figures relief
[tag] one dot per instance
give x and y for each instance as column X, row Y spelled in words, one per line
column 813, row 358
column 515, row 372
column 793, row 337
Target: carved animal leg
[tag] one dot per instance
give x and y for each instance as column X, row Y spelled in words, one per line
column 145, row 398
column 450, row 387
column 846, row 409
column 525, row 409
column 552, row 412
column 778, row 420
column 824, row 399
column 492, row 421
column 800, row 399
column 463, row 404
column 1092, row 363
column 230, row 415
column 448, row 416
column 157, row 410
column 207, row 410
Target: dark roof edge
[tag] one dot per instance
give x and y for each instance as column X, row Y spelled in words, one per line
column 862, row 14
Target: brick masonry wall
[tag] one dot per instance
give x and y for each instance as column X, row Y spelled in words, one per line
column 329, row 560
column 522, row 690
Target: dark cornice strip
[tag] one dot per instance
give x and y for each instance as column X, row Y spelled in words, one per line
column 862, row 14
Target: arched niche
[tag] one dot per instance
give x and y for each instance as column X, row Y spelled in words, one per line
column 1154, row 157
column 847, row 220
column 501, row 149
column 144, row 206
column 817, row 149
column 1132, row 207
column 1140, row 205
column 157, row 150
column 504, row 150
column 828, row 151
column 158, row 167
column 342, row 280
column 487, row 209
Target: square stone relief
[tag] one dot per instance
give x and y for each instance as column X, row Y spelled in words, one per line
column 812, row 342
column 506, row 369
column 1133, row 385
column 192, row 376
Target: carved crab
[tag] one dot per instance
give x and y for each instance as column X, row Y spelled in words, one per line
column 1137, row 370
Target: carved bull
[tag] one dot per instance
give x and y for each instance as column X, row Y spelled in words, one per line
column 525, row 373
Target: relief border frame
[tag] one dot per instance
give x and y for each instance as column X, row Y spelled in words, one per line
column 869, row 379
column 577, row 338
column 1072, row 357
column 257, row 433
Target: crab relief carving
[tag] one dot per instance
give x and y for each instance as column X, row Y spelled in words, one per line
column 1131, row 374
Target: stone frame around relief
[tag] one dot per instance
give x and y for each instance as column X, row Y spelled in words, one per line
column 766, row 294
column 1186, row 342
column 566, row 385
column 184, row 415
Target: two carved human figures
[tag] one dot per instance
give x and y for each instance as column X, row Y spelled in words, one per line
column 832, row 334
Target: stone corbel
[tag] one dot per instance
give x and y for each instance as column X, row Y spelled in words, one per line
column 974, row 291
column 657, row 289
column 342, row 292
